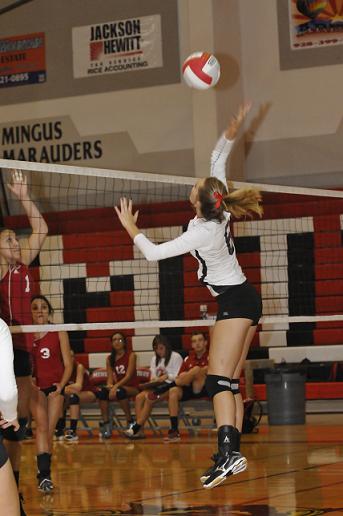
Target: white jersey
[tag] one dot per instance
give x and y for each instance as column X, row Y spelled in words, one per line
column 209, row 241
column 171, row 369
column 8, row 386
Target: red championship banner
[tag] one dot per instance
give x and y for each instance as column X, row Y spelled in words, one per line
column 22, row 60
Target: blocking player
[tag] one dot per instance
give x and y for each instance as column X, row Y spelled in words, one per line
column 16, row 289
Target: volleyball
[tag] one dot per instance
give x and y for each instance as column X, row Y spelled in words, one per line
column 201, row 70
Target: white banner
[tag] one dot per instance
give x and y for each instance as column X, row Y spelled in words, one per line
column 117, row 46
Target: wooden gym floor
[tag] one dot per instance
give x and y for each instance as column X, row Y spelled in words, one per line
column 293, row 471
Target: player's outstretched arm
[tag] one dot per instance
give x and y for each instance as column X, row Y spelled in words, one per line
column 19, row 188
column 225, row 143
column 188, row 241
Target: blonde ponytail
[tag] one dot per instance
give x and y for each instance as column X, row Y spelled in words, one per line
column 242, row 202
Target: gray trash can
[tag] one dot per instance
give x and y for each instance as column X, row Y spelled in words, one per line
column 285, row 397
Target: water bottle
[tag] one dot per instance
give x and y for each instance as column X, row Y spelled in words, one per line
column 203, row 312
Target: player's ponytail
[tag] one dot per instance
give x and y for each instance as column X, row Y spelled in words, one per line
column 242, row 202
column 215, row 198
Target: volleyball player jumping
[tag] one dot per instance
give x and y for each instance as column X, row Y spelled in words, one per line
column 15, row 298
column 208, row 238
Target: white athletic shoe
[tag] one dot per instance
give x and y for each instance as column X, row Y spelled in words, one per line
column 223, row 468
column 71, row 436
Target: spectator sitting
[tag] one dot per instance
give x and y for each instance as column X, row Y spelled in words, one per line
column 189, row 384
column 164, row 367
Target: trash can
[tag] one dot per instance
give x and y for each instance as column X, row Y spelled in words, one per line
column 285, row 397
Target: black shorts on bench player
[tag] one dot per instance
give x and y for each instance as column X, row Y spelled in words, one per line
column 208, row 239
column 52, row 369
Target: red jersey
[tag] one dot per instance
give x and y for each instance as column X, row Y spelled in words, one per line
column 48, row 360
column 15, row 303
column 120, row 369
column 192, row 360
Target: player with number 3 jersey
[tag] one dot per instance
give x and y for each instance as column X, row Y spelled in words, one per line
column 53, row 365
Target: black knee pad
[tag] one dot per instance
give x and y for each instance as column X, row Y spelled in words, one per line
column 74, row 399
column 235, row 386
column 103, row 394
column 216, row 384
column 11, row 435
column 121, row 393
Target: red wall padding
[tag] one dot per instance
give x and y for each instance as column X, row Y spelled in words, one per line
column 94, row 254
column 98, row 269
column 122, row 298
column 106, row 314
column 329, row 287
column 314, row 391
column 332, row 271
column 329, row 304
column 328, row 336
column 330, row 255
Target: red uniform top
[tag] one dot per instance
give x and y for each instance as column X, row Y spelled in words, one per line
column 120, row 368
column 192, row 360
column 48, row 360
column 86, row 384
column 15, row 303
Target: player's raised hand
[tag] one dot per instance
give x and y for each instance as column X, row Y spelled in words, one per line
column 125, row 214
column 18, row 185
column 237, row 120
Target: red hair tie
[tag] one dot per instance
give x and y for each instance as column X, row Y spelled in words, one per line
column 219, row 199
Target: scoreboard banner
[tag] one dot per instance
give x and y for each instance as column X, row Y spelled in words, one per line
column 117, row 46
column 22, row 60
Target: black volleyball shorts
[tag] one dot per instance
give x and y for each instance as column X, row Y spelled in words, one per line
column 240, row 301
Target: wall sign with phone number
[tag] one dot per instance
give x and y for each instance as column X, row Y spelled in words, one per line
column 22, row 60
column 15, row 79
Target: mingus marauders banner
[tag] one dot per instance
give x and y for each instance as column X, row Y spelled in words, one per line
column 117, row 46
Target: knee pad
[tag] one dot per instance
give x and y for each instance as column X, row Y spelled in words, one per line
column 103, row 394
column 74, row 399
column 121, row 393
column 235, row 387
column 216, row 384
column 11, row 435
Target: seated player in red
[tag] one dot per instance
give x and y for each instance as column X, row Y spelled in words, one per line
column 164, row 367
column 52, row 369
column 16, row 289
column 189, row 384
column 122, row 382
column 79, row 390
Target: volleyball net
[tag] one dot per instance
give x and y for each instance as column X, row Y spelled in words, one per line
column 98, row 282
